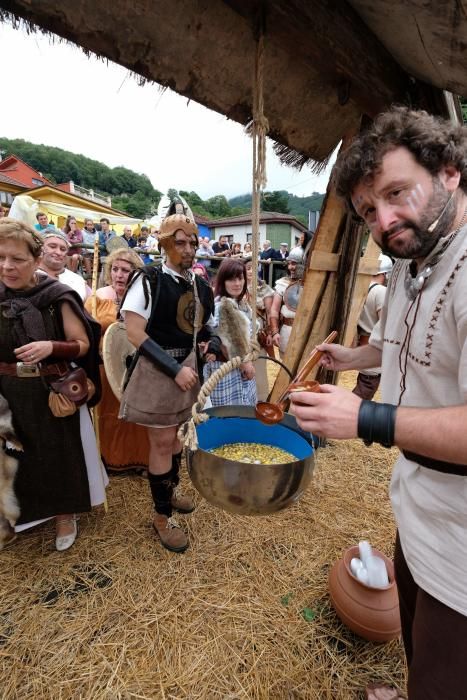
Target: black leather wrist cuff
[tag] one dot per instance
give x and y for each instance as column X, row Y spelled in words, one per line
column 376, row 423
column 156, row 354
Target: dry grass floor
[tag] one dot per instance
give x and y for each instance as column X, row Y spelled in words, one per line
column 243, row 614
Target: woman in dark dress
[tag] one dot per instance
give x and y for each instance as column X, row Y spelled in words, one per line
column 43, row 328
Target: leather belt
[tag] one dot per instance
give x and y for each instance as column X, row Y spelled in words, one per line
column 436, row 464
column 287, row 321
column 20, row 369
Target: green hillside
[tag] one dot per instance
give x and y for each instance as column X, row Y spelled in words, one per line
column 296, row 206
column 131, row 192
column 134, row 193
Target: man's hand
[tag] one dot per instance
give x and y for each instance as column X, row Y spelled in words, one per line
column 186, row 378
column 331, row 413
column 338, row 357
column 276, row 339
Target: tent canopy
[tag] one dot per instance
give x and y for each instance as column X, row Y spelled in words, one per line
column 25, row 209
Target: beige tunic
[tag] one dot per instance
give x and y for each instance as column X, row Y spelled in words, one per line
column 429, row 338
column 370, row 316
column 285, row 331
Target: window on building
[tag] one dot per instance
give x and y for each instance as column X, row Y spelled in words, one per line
column 249, row 237
column 6, row 197
column 37, row 182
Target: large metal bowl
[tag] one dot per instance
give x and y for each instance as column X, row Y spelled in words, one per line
column 250, row 489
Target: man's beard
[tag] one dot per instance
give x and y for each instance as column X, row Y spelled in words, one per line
column 186, row 264
column 54, row 265
column 422, row 241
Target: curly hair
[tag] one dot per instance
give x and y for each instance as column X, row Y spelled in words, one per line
column 127, row 255
column 13, row 229
column 432, row 141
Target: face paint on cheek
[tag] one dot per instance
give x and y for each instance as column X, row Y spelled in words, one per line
column 416, row 198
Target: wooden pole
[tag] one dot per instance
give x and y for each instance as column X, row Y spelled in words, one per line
column 329, row 282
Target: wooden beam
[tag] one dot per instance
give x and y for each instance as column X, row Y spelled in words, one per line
column 323, row 261
column 366, row 269
column 322, row 68
column 357, row 64
column 317, row 292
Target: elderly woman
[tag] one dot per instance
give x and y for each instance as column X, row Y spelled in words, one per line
column 43, row 328
column 124, row 446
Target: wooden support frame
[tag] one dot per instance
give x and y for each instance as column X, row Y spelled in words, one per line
column 335, row 287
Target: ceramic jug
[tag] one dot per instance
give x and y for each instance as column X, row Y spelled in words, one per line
column 372, row 613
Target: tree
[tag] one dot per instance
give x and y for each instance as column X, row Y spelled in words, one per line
column 192, row 198
column 172, row 193
column 277, row 201
column 137, row 205
column 59, row 165
column 218, row 206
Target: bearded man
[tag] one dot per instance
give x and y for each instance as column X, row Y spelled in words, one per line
column 54, row 254
column 407, row 178
column 165, row 310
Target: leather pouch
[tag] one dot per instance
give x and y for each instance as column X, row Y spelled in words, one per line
column 68, row 392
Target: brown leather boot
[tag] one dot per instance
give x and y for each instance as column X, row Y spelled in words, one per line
column 171, row 535
column 181, row 502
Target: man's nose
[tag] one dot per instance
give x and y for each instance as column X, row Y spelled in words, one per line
column 385, row 216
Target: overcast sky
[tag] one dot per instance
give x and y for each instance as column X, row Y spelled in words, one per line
column 54, row 95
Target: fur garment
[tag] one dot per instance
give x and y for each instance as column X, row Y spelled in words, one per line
column 233, row 327
column 9, row 508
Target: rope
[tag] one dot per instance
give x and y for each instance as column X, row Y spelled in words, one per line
column 187, row 432
column 257, row 129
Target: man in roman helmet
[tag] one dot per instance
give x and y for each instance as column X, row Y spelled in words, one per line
column 287, row 293
column 165, row 310
column 368, row 379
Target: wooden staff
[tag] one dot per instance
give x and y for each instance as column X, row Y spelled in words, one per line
column 95, row 410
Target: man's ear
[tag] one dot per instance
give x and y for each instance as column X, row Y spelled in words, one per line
column 450, row 176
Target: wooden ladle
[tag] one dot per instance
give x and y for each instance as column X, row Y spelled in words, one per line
column 271, row 413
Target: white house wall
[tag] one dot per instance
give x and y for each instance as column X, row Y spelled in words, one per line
column 239, row 232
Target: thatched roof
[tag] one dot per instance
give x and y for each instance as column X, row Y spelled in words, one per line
column 326, row 64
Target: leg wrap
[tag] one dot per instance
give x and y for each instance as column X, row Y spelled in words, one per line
column 162, row 487
column 175, row 471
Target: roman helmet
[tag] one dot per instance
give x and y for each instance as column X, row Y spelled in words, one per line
column 385, row 265
column 177, row 222
column 297, row 255
column 178, row 216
